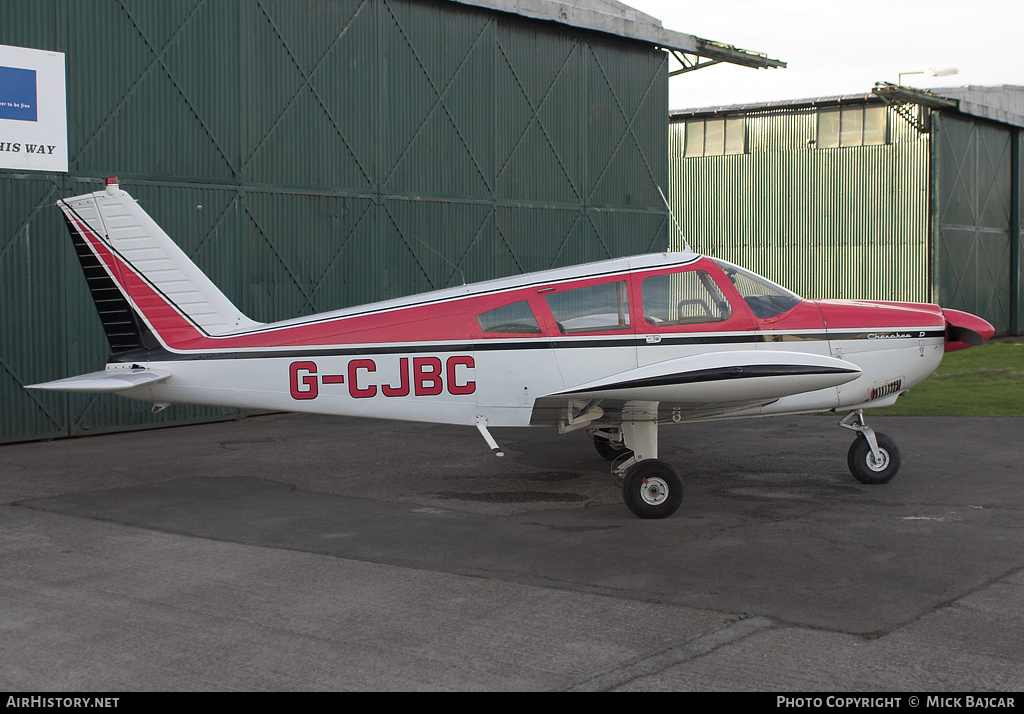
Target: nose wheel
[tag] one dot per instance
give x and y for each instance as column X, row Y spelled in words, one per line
column 873, row 457
column 868, row 468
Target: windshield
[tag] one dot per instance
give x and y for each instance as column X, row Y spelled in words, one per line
column 765, row 298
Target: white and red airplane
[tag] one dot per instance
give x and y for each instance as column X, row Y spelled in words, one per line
column 616, row 347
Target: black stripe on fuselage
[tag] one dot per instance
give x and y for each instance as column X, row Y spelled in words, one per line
column 751, row 339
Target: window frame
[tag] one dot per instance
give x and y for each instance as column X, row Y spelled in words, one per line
column 624, row 297
column 491, row 332
column 710, row 286
column 853, row 125
column 726, row 146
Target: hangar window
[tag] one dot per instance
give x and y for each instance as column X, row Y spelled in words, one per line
column 513, row 319
column 715, row 137
column 686, row 298
column 594, row 308
column 852, row 126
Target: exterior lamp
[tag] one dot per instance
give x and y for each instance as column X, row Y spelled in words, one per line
column 930, row 72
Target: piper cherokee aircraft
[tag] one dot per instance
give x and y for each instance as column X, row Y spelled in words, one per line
column 616, row 348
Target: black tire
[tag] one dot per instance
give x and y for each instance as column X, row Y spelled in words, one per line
column 862, row 462
column 611, row 450
column 652, row 489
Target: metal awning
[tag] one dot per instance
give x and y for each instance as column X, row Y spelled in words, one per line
column 618, row 19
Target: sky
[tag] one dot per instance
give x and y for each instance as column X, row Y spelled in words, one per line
column 841, row 47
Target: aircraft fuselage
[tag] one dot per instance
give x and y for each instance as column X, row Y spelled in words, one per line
column 615, row 347
column 429, row 358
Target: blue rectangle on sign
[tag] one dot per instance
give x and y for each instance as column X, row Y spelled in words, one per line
column 17, row 93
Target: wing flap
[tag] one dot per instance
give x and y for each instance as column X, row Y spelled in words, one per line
column 110, row 380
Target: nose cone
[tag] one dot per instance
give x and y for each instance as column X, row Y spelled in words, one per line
column 965, row 330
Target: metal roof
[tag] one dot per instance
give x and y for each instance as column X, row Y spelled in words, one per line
column 618, row 19
column 754, row 107
column 1001, row 103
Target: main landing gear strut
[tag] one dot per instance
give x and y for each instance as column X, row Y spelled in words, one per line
column 873, row 457
column 651, row 488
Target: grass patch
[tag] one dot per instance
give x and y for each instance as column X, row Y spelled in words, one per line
column 981, row 381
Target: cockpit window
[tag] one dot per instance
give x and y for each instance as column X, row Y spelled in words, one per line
column 593, row 308
column 686, row 298
column 513, row 319
column 765, row 298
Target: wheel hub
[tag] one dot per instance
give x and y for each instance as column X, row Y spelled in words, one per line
column 881, row 463
column 654, row 491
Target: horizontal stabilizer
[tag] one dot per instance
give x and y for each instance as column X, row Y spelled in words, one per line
column 110, row 380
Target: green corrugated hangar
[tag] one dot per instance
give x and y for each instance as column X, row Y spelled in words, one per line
column 318, row 154
column 899, row 194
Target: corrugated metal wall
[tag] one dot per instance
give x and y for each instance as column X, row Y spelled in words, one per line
column 318, row 154
column 846, row 222
column 974, row 257
column 925, row 217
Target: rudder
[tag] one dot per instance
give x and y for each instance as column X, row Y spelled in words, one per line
column 146, row 290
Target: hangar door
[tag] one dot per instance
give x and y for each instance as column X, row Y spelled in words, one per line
column 971, row 248
column 319, row 154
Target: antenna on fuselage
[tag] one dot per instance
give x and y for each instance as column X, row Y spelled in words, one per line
column 686, row 243
column 431, row 249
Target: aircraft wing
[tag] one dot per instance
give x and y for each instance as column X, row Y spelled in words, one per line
column 110, row 380
column 703, row 385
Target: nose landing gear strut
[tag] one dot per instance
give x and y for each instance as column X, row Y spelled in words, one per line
column 873, row 457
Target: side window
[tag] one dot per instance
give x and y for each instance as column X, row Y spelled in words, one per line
column 591, row 309
column 686, row 298
column 514, row 319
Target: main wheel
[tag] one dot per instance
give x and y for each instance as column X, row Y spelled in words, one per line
column 652, row 489
column 610, row 450
column 862, row 462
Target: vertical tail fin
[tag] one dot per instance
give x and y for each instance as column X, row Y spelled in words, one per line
column 147, row 291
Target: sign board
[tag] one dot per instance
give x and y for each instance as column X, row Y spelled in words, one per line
column 33, row 110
